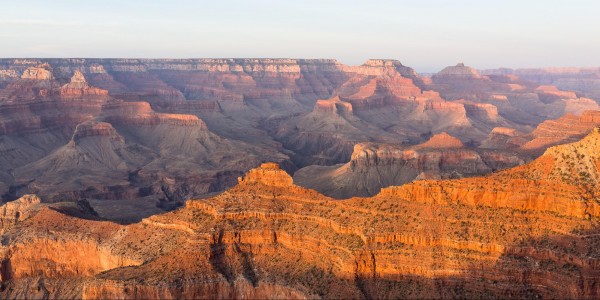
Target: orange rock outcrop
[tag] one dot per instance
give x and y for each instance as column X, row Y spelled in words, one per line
column 42, row 72
column 13, row 212
column 568, row 128
column 524, row 232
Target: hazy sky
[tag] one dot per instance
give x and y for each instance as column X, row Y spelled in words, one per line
column 426, row 35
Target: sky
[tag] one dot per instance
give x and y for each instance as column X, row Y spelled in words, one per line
column 426, row 35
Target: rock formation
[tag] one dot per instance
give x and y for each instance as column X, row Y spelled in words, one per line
column 585, row 81
column 79, row 87
column 69, row 141
column 267, row 174
column 374, row 166
column 521, row 104
column 523, row 232
column 387, row 105
column 441, row 141
column 504, row 138
column 159, row 131
column 568, row 128
column 458, row 72
column 42, row 72
column 16, row 211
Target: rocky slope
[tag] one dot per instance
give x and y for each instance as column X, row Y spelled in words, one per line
column 148, row 130
column 249, row 99
column 375, row 166
column 524, row 232
column 504, row 138
column 521, row 102
column 71, row 141
column 568, row 128
column 366, row 108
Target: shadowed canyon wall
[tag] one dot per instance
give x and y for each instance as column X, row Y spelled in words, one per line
column 138, row 136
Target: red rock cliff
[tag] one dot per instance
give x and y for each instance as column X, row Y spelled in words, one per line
column 516, row 233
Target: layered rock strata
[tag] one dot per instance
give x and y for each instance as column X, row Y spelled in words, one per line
column 524, row 232
column 71, row 141
column 186, row 128
column 375, row 166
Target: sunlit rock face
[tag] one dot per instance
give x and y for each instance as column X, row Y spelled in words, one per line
column 220, row 139
column 156, row 132
column 38, row 73
column 521, row 232
column 568, row 128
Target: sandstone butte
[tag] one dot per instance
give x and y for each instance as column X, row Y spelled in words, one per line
column 529, row 231
column 374, row 166
column 79, row 87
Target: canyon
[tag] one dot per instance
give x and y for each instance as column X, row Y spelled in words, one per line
column 135, row 137
column 296, row 178
column 527, row 231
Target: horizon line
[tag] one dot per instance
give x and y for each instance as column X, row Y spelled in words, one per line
column 298, row 58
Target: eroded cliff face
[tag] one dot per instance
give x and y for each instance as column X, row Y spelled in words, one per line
column 79, row 87
column 568, row 128
column 367, row 108
column 524, row 232
column 13, row 212
column 504, row 138
column 391, row 105
column 188, row 128
column 41, row 72
column 521, row 103
column 564, row 180
column 70, row 141
column 375, row 166
column 248, row 99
